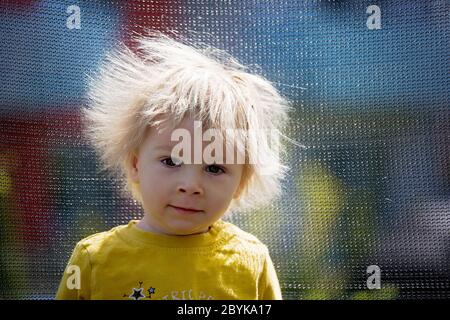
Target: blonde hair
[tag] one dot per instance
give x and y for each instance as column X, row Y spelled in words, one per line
column 167, row 79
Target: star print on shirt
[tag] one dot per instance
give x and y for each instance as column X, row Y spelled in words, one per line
column 137, row 294
column 151, row 291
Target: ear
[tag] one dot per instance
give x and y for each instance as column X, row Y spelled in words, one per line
column 134, row 168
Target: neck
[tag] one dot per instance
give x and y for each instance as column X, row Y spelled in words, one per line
column 146, row 225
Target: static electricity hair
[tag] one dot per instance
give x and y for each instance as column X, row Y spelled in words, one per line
column 167, row 78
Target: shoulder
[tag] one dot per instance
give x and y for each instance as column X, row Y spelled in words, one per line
column 95, row 241
column 243, row 249
column 242, row 239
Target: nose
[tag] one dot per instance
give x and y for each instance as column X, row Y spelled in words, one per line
column 190, row 183
column 189, row 190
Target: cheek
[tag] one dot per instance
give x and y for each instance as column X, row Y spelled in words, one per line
column 153, row 182
column 222, row 189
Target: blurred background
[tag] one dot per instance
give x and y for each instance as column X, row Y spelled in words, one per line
column 370, row 86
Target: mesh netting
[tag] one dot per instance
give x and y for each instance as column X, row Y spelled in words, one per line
column 371, row 93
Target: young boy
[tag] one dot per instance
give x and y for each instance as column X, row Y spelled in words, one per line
column 140, row 104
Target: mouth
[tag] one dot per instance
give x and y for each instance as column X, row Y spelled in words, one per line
column 185, row 210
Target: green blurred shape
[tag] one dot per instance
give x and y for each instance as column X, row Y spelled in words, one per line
column 324, row 197
column 13, row 274
column 385, row 293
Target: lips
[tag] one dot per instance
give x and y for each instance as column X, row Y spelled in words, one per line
column 185, row 210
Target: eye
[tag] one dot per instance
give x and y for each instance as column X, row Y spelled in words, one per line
column 170, row 162
column 215, row 168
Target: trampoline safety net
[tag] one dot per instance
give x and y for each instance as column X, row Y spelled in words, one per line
column 370, row 190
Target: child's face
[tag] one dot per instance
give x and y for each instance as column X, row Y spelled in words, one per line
column 165, row 184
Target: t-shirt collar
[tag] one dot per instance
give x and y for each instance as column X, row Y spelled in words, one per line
column 212, row 236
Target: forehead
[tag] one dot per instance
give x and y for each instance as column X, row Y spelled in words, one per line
column 167, row 126
column 159, row 139
column 161, row 134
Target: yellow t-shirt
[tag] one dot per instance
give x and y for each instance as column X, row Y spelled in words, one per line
column 127, row 262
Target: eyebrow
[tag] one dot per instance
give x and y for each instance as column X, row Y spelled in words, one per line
column 164, row 147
